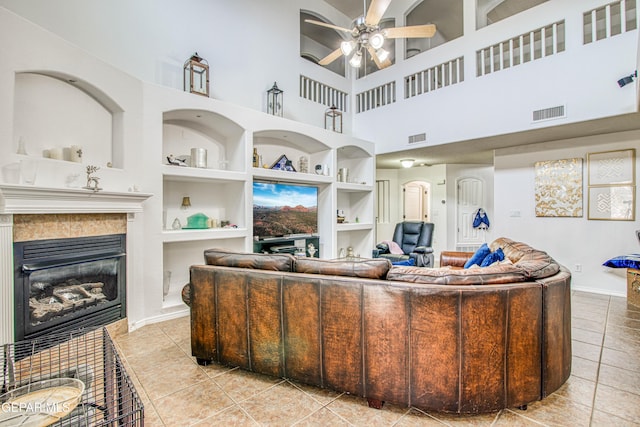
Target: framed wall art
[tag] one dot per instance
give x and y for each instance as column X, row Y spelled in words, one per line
column 612, row 202
column 612, row 179
column 612, row 167
column 558, row 188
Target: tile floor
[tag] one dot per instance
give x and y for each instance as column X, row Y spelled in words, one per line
column 603, row 390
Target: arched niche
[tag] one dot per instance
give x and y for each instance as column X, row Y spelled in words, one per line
column 56, row 111
column 273, row 143
column 221, row 137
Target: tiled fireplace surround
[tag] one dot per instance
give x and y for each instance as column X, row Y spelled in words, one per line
column 31, row 213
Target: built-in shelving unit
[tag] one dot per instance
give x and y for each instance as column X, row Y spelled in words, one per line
column 223, row 189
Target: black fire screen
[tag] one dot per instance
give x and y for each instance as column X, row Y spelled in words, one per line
column 64, row 284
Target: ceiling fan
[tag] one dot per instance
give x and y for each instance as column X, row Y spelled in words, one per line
column 367, row 35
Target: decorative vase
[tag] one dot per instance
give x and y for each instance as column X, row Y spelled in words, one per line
column 21, row 147
column 166, row 283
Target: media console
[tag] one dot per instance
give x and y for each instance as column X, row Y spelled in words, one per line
column 290, row 245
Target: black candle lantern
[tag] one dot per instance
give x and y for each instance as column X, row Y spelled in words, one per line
column 275, row 97
column 196, row 75
column 333, row 119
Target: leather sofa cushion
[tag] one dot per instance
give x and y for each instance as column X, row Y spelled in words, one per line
column 376, row 268
column 535, row 264
column 499, row 273
column 257, row 261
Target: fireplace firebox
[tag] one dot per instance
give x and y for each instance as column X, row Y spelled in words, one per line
column 66, row 284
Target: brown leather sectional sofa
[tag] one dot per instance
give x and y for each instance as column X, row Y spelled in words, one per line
column 445, row 339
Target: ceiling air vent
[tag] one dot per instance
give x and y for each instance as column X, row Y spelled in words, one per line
column 420, row 137
column 549, row 113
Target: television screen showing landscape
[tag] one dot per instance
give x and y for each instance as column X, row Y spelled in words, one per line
column 284, row 209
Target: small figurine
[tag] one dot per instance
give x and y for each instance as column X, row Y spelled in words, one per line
column 311, row 249
column 92, row 181
column 173, row 160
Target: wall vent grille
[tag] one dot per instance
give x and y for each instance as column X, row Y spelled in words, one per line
column 549, row 113
column 420, row 137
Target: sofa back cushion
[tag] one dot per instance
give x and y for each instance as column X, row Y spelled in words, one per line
column 499, row 273
column 534, row 263
column 376, row 268
column 257, row 261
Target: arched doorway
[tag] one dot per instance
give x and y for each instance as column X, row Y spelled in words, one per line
column 416, row 201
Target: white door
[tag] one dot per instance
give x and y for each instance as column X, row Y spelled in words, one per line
column 469, row 198
column 416, row 201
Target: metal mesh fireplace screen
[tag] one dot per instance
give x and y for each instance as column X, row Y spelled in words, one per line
column 67, row 379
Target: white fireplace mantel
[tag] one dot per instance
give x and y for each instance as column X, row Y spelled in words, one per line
column 22, row 199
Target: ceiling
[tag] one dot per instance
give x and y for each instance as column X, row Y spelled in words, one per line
column 480, row 150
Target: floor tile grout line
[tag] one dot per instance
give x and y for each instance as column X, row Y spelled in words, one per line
column 595, row 391
column 533, row 420
column 433, row 417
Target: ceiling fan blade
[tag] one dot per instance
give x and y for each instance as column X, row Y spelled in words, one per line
column 415, row 31
column 380, row 64
column 324, row 24
column 377, row 8
column 331, row 57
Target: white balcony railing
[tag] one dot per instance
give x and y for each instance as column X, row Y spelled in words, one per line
column 609, row 20
column 536, row 44
column 439, row 76
column 321, row 93
column 377, row 97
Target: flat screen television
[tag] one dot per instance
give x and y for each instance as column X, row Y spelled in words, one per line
column 281, row 209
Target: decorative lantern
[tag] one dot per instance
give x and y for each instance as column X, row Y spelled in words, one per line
column 196, row 75
column 333, row 119
column 274, row 100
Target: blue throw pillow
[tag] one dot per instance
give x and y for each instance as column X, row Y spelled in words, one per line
column 408, row 262
column 496, row 256
column 624, row 261
column 479, row 256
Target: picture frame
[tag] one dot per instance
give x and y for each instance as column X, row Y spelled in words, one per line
column 283, row 164
column 612, row 167
column 558, row 188
column 612, row 202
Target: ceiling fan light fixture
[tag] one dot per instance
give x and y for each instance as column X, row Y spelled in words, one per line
column 347, row 47
column 382, row 54
column 376, row 40
column 356, row 60
column 407, row 163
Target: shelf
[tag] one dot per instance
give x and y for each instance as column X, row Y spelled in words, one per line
column 184, row 173
column 23, row 199
column 277, row 175
column 353, row 187
column 353, row 226
column 169, row 236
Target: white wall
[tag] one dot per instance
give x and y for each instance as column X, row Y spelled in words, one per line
column 571, row 241
column 151, row 40
column 583, row 78
column 250, row 44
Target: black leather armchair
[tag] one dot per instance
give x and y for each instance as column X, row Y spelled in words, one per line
column 414, row 238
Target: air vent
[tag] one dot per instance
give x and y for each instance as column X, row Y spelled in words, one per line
column 549, row 113
column 421, row 137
